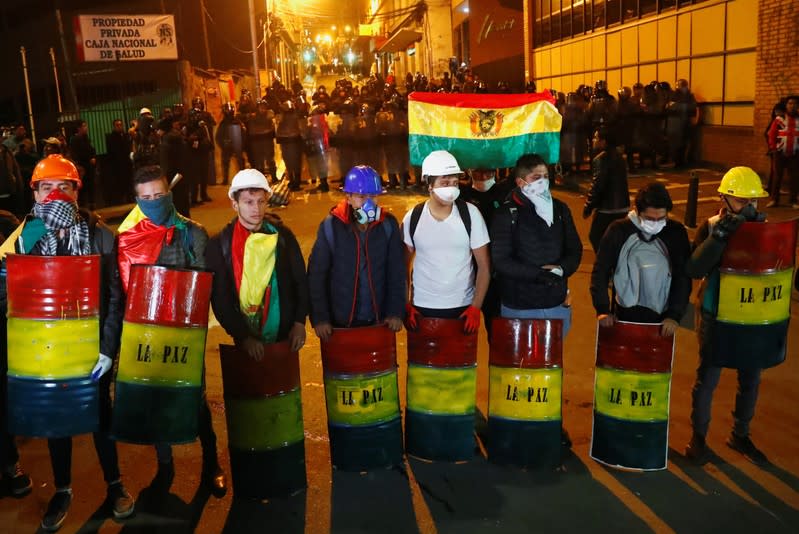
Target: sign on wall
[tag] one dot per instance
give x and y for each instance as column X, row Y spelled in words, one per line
column 125, row 37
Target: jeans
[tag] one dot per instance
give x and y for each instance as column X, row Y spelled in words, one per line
column 561, row 312
column 707, row 378
column 163, row 451
column 61, row 448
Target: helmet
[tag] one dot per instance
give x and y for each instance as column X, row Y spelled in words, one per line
column 145, row 111
column 197, row 103
column 228, row 108
column 742, row 182
column 248, row 179
column 55, row 167
column 364, row 180
column 440, row 163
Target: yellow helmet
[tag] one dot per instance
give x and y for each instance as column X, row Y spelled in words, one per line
column 742, row 182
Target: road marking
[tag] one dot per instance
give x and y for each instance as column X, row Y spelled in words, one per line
column 684, row 186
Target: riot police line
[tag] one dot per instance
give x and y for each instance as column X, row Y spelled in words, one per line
column 80, row 298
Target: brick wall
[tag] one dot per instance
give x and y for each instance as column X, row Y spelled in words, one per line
column 731, row 146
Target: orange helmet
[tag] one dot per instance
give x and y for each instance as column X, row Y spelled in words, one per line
column 55, row 167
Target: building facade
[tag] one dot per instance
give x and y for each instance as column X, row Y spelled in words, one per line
column 735, row 54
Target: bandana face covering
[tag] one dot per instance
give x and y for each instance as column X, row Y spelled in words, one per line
column 485, row 185
column 158, row 210
column 59, row 213
column 538, row 193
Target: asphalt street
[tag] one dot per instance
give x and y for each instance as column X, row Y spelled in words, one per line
column 729, row 494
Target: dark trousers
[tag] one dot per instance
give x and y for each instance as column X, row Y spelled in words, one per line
column 782, row 163
column 207, row 439
column 227, row 155
column 9, row 455
column 707, row 378
column 599, row 224
column 61, row 448
column 262, row 156
column 292, row 157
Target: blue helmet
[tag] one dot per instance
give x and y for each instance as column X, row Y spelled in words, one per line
column 364, row 180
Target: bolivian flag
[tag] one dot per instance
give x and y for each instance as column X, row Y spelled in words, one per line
column 483, row 130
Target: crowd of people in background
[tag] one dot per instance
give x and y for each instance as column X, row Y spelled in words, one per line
column 287, row 133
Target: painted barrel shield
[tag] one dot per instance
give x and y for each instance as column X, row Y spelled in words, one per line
column 53, row 340
column 631, row 396
column 351, row 351
column 263, row 409
column 53, row 287
column 525, row 392
column 167, row 296
column 52, row 408
column 526, row 343
column 441, row 343
column 754, row 306
column 277, row 372
column 159, row 380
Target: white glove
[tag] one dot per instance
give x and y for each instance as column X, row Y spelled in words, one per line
column 102, row 366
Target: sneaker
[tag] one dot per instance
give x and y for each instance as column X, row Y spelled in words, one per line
column 697, row 451
column 772, row 204
column 57, row 510
column 744, row 445
column 214, row 479
column 121, row 502
column 19, row 484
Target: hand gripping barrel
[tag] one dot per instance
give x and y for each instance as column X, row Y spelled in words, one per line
column 363, row 413
column 263, row 408
column 159, row 381
column 441, row 391
column 631, row 396
column 754, row 296
column 53, row 344
column 525, row 392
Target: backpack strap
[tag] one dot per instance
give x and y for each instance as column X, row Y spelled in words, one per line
column 327, row 229
column 466, row 217
column 416, row 214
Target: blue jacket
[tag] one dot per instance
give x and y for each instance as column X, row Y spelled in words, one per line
column 334, row 268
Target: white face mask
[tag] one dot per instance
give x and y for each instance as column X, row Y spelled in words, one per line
column 484, row 185
column 448, row 195
column 652, row 227
column 538, row 193
column 537, row 188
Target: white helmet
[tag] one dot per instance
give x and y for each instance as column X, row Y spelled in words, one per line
column 440, row 163
column 145, row 111
column 248, row 179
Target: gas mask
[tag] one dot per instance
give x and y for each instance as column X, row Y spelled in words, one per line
column 368, row 212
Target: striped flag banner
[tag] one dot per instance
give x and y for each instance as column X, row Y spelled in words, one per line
column 483, row 130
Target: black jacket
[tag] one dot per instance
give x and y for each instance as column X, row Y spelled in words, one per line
column 291, row 280
column 333, row 271
column 673, row 236
column 609, row 190
column 489, row 201
column 520, row 248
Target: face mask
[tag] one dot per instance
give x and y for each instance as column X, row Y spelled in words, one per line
column 158, row 210
column 750, row 213
column 447, row 195
column 652, row 227
column 484, row 185
column 368, row 212
column 538, row 188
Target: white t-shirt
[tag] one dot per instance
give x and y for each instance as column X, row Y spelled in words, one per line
column 443, row 274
